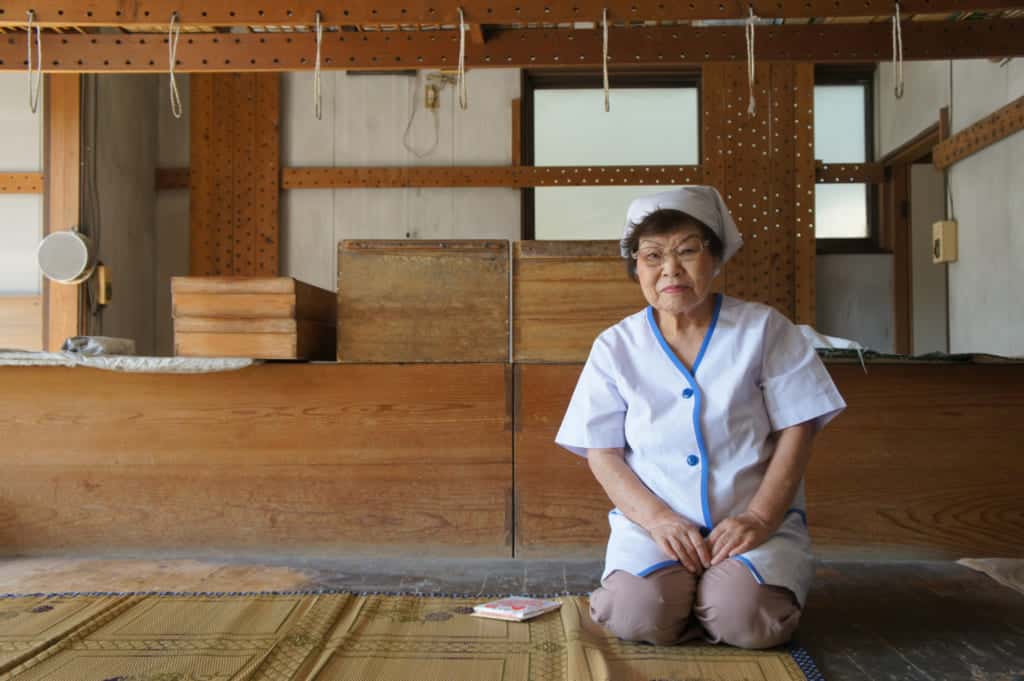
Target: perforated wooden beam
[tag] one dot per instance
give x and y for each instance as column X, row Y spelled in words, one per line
column 21, row 183
column 986, row 132
column 840, row 173
column 302, row 12
column 533, row 48
column 518, row 176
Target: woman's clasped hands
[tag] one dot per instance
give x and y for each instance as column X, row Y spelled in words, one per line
column 681, row 539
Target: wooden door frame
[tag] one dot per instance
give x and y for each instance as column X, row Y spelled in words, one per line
column 895, row 229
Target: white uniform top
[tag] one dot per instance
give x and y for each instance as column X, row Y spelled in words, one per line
column 699, row 439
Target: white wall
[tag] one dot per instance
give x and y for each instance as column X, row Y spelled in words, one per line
column 21, row 215
column 364, row 118
column 854, row 299
column 985, row 311
column 925, row 91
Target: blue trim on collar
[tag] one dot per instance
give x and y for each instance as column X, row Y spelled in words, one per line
column 710, row 332
column 698, row 397
column 657, row 566
column 750, row 566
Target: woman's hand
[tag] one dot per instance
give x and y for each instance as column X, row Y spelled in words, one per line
column 737, row 535
column 678, row 538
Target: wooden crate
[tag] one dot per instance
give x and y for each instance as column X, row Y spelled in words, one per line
column 564, row 294
column 262, row 317
column 423, row 301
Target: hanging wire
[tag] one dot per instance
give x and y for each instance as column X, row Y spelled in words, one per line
column 460, row 84
column 317, row 98
column 412, row 115
column 751, row 75
column 34, row 81
column 173, row 33
column 604, row 58
column 897, row 52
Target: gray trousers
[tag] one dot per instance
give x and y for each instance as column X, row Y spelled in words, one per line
column 671, row 605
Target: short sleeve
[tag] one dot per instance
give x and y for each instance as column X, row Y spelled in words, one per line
column 596, row 415
column 796, row 385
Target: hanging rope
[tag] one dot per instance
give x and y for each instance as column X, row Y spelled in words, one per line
column 460, row 82
column 173, row 33
column 604, row 58
column 34, row 81
column 897, row 52
column 317, row 98
column 749, row 30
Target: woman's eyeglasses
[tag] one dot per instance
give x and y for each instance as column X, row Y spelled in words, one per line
column 686, row 252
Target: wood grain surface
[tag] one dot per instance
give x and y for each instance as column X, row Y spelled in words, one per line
column 423, row 301
column 251, row 297
column 564, row 294
column 325, row 459
column 924, row 463
column 304, row 340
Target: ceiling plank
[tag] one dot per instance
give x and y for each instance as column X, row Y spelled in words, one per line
column 532, row 48
column 301, row 12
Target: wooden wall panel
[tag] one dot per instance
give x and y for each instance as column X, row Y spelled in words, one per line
column 763, row 164
column 21, row 322
column 924, row 464
column 62, row 102
column 314, row 459
column 235, row 174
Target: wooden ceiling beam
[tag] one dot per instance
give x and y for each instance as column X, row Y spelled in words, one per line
column 301, row 12
column 532, row 48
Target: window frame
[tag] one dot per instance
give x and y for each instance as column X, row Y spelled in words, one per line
column 864, row 76
column 584, row 80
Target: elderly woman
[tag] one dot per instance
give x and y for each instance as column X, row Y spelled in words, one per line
column 696, row 416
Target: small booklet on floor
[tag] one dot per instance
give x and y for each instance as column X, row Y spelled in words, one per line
column 515, row 608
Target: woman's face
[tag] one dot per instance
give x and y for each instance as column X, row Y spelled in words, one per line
column 675, row 270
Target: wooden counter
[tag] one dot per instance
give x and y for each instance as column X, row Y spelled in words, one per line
column 297, row 458
column 418, row 459
column 926, row 462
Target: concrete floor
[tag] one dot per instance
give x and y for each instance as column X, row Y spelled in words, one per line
column 884, row 621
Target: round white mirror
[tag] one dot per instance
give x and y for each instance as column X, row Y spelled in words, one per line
column 66, row 257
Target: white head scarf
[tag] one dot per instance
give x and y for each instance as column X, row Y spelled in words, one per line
column 700, row 202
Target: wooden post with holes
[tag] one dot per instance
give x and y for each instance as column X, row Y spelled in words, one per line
column 62, row 137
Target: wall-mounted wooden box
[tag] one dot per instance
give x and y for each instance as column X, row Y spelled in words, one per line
column 262, row 317
column 564, row 294
column 423, row 301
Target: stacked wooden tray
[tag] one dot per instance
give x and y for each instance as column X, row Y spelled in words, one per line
column 260, row 317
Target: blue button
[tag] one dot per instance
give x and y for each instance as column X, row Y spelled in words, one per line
column 688, row 393
column 692, row 459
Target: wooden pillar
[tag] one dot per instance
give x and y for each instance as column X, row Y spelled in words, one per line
column 235, row 174
column 62, row 137
column 763, row 164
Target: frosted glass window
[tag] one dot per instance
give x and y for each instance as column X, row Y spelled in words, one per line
column 656, row 126
column 839, row 123
column 840, row 211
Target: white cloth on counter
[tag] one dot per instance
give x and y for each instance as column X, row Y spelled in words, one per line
column 99, row 345
column 128, row 363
